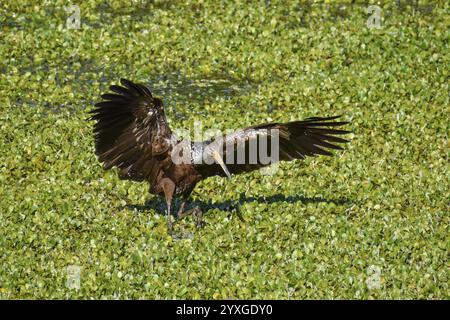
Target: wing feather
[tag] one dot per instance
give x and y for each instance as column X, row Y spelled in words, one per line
column 297, row 140
column 129, row 126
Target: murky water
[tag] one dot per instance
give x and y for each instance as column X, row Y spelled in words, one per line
column 176, row 89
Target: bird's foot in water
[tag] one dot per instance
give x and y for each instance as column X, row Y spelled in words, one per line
column 169, row 225
column 197, row 214
column 198, row 218
column 175, row 235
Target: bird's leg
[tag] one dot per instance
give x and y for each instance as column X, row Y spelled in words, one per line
column 196, row 212
column 168, row 187
column 181, row 213
column 198, row 216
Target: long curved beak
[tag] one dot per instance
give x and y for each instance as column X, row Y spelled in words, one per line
column 217, row 157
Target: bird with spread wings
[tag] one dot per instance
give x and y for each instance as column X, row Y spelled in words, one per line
column 132, row 134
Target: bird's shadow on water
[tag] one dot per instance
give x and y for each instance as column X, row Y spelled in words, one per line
column 159, row 205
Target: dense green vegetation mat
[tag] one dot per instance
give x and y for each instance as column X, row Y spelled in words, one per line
column 371, row 222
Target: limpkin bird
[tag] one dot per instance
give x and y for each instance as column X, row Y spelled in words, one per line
column 132, row 134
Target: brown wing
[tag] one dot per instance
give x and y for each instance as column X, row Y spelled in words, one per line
column 296, row 140
column 131, row 132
